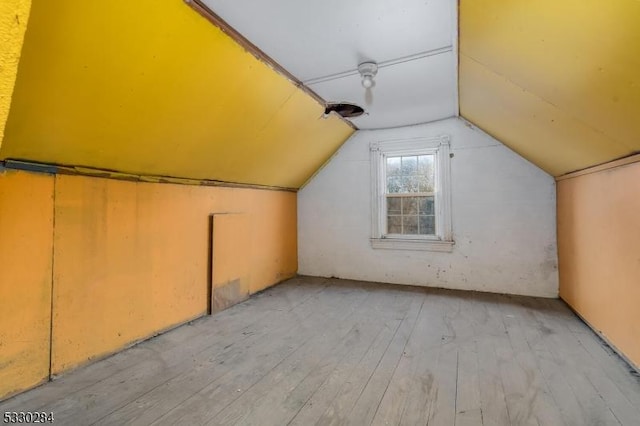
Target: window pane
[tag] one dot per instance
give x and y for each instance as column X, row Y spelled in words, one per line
column 394, row 224
column 425, row 183
column 394, row 185
column 427, row 225
column 408, row 180
column 393, row 166
column 393, row 205
column 403, row 184
column 409, row 205
column 425, row 165
column 426, row 205
column 410, row 183
column 410, row 224
column 409, row 165
column 409, row 175
column 426, row 170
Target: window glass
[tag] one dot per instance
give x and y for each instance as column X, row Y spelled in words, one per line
column 410, row 182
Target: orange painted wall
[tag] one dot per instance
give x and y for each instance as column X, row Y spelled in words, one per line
column 26, row 219
column 131, row 258
column 230, row 236
column 599, row 252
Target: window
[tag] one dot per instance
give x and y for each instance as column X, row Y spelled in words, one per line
column 410, row 189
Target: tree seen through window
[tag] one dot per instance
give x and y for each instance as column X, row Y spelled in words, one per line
column 410, row 195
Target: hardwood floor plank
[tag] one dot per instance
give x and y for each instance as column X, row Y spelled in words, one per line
column 442, row 410
column 468, row 406
column 492, row 397
column 424, row 349
column 559, row 388
column 594, row 410
column 621, row 373
column 619, row 377
column 489, row 328
column 367, row 404
column 190, row 337
column 406, row 400
column 538, row 397
column 158, row 366
column 328, row 352
column 290, row 372
column 341, row 406
column 519, row 396
column 198, row 406
column 269, row 397
column 383, row 314
column 601, row 401
column 170, row 394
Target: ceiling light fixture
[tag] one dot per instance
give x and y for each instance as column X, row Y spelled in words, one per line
column 368, row 70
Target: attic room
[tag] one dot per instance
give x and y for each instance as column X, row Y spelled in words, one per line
column 286, row 213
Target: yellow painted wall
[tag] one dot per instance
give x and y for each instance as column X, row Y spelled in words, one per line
column 14, row 15
column 132, row 258
column 150, row 87
column 557, row 81
column 26, row 236
column 599, row 252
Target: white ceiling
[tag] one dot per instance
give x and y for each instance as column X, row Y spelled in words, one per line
column 322, row 43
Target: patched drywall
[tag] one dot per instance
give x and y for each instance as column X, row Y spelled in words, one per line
column 14, row 15
column 503, row 219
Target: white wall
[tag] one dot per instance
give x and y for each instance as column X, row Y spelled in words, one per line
column 504, row 216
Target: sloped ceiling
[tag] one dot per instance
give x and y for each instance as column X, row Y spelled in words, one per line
column 151, row 87
column 414, row 43
column 14, row 15
column 558, row 81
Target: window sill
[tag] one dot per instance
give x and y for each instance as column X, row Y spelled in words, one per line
column 407, row 244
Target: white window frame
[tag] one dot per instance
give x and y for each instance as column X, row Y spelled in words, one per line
column 439, row 147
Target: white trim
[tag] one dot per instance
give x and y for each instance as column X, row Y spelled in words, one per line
column 625, row 161
column 443, row 238
column 412, row 244
column 401, row 60
column 455, row 35
column 443, row 194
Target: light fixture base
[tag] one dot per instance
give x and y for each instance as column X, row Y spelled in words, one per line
column 368, row 69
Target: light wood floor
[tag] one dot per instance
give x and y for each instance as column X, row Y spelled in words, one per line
column 319, row 351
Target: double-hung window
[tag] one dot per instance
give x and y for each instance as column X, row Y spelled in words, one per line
column 411, row 194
